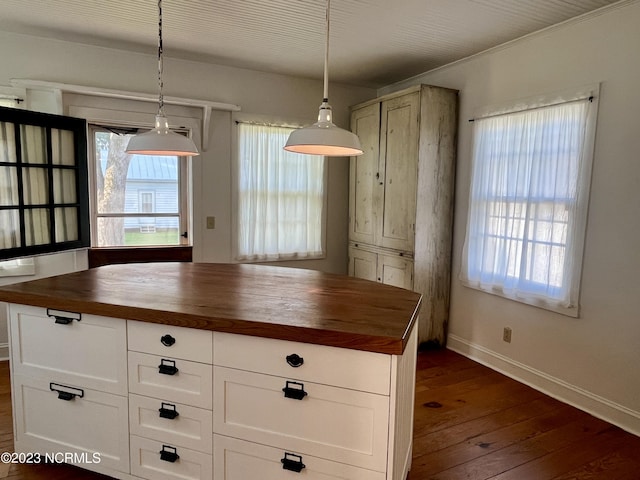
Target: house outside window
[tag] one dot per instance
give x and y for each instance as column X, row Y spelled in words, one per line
column 281, row 197
column 528, row 202
column 137, row 200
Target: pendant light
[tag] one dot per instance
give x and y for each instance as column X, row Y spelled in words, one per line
column 323, row 137
column 161, row 140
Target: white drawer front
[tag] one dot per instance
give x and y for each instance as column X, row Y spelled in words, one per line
column 176, row 342
column 146, row 461
column 190, row 428
column 340, row 367
column 339, row 424
column 92, row 422
column 239, row 460
column 191, row 385
column 91, row 351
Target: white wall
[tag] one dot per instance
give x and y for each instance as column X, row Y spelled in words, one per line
column 591, row 361
column 271, row 95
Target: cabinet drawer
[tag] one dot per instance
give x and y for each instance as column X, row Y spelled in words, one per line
column 191, row 383
column 91, row 422
column 177, row 342
column 340, row 367
column 89, row 350
column 240, row 460
column 146, row 461
column 347, row 426
column 177, row 424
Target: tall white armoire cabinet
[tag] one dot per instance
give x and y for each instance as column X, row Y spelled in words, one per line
column 401, row 197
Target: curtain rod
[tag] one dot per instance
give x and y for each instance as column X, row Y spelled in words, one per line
column 590, row 98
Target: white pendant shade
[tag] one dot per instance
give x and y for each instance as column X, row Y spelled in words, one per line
column 161, row 141
column 323, row 137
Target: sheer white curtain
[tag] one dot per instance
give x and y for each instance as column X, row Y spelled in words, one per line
column 280, row 197
column 527, row 207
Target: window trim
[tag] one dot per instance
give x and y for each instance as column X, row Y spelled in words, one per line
column 78, row 127
column 184, row 214
column 241, row 117
column 591, row 92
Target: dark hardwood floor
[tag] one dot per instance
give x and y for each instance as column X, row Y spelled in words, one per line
column 471, row 423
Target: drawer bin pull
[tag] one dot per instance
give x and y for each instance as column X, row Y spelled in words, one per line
column 168, row 410
column 169, row 454
column 292, row 462
column 63, row 318
column 296, row 392
column 167, row 340
column 65, row 394
column 295, row 360
column 167, row 367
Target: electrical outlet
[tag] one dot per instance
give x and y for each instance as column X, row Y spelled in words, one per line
column 211, row 223
column 506, row 334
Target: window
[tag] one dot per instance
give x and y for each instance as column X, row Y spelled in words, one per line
column 137, row 200
column 528, row 203
column 43, row 183
column 281, row 197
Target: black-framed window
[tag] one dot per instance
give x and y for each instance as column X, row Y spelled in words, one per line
column 44, row 203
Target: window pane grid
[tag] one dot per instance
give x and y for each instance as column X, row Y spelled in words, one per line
column 524, row 205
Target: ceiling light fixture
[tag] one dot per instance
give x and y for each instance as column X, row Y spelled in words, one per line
column 323, row 137
column 161, row 140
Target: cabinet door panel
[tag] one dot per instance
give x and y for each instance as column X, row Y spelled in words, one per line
column 239, row 460
column 344, row 425
column 190, row 384
column 363, row 264
column 396, row 270
column 90, row 422
column 399, row 152
column 365, row 122
column 146, row 461
column 46, row 349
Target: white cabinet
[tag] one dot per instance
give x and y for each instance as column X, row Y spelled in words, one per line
column 401, row 197
column 171, row 395
column 69, row 387
column 202, row 405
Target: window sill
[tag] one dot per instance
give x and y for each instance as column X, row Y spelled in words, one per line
column 116, row 255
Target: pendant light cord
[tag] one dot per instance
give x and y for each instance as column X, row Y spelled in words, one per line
column 326, row 56
column 160, row 63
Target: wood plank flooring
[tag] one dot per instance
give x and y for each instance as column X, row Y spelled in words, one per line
column 471, row 423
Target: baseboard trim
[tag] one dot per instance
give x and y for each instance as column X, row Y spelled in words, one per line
column 589, row 402
column 4, row 351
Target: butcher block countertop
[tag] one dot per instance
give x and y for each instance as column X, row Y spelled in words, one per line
column 263, row 301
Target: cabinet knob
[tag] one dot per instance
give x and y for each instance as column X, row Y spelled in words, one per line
column 295, row 360
column 167, row 340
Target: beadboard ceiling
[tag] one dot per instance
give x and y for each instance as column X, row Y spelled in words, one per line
column 373, row 42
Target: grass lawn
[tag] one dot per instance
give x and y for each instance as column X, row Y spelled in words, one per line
column 167, row 237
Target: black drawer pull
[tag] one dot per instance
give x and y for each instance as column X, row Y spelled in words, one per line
column 169, row 454
column 167, row 367
column 167, row 340
column 292, row 462
column 66, row 394
column 63, row 318
column 296, row 393
column 295, row 360
column 168, row 410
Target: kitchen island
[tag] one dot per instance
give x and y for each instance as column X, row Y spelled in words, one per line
column 230, row 372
